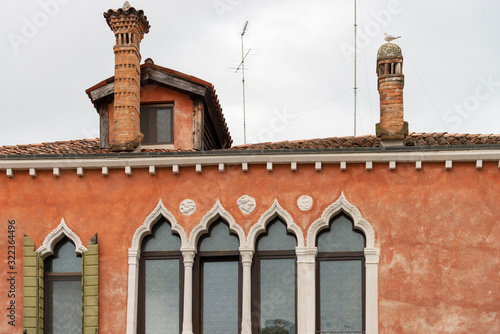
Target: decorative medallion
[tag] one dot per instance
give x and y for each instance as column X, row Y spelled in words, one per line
column 305, row 202
column 187, row 207
column 246, row 204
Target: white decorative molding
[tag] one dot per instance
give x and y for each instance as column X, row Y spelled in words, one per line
column 152, row 170
column 293, row 166
column 246, row 204
column 392, row 165
column 56, row 171
column 175, row 169
column 305, row 202
column 222, row 168
column 479, row 164
column 105, row 171
column 10, row 173
column 211, row 216
column 79, row 171
column 343, row 165
column 418, row 165
column 32, row 172
column 187, row 207
column 341, row 205
column 146, row 228
column 274, row 211
column 269, row 166
column 448, row 164
column 369, row 165
column 198, row 168
column 134, row 253
column 317, row 165
column 244, row 167
column 55, row 236
column 128, row 170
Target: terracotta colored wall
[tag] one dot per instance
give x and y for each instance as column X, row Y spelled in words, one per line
column 438, row 230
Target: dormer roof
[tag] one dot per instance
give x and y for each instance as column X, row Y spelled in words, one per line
column 166, row 77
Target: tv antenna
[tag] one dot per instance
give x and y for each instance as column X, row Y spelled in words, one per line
column 242, row 66
column 355, row 64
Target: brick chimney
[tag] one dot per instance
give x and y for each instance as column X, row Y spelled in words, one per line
column 130, row 26
column 392, row 128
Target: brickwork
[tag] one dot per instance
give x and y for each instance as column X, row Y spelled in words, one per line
column 390, row 86
column 129, row 27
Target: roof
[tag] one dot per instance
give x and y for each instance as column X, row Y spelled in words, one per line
column 175, row 80
column 91, row 146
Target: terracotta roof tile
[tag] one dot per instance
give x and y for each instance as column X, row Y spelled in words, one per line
column 91, row 146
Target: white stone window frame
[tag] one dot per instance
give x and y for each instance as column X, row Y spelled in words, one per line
column 134, row 254
column 371, row 253
column 61, row 231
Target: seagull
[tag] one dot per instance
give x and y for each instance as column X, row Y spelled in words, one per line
column 390, row 38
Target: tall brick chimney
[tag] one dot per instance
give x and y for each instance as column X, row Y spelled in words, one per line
column 392, row 128
column 130, row 26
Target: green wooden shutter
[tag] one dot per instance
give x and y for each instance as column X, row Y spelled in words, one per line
column 90, row 283
column 33, row 272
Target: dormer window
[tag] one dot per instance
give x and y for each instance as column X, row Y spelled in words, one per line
column 157, row 124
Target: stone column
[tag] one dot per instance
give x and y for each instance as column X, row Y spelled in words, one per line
column 306, row 289
column 187, row 322
column 371, row 262
column 133, row 288
column 246, row 308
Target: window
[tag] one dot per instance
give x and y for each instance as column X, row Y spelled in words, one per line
column 160, row 282
column 274, row 282
column 63, row 290
column 217, row 282
column 340, row 286
column 157, row 124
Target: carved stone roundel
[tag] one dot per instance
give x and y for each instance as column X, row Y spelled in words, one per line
column 187, row 207
column 246, row 204
column 305, row 202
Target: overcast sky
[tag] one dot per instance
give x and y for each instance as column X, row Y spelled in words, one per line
column 299, row 77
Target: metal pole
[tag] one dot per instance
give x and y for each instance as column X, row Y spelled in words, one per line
column 355, row 64
column 243, row 81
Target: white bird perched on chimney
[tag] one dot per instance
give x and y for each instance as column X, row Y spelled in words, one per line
column 390, row 38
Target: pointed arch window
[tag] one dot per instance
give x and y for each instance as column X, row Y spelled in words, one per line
column 160, row 282
column 274, row 296
column 340, row 273
column 217, row 282
column 63, row 290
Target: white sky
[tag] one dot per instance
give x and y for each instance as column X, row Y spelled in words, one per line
column 299, row 76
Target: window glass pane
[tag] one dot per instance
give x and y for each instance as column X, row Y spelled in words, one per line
column 161, row 238
column 144, row 117
column 163, row 125
column 63, row 307
column 162, row 296
column 277, row 238
column 219, row 239
column 341, row 295
column 341, row 237
column 64, row 260
column 220, row 297
column 277, row 296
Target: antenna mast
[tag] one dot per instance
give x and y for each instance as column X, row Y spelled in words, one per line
column 355, row 64
column 243, row 56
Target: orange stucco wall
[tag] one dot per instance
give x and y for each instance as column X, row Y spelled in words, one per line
column 183, row 112
column 438, row 230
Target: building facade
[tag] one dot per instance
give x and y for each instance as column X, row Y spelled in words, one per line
column 161, row 226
